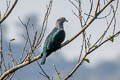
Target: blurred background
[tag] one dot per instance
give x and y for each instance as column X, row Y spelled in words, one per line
column 104, row 62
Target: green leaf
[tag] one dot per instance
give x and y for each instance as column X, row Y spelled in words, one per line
column 59, row 73
column 111, row 38
column 12, row 39
column 95, row 46
column 87, row 60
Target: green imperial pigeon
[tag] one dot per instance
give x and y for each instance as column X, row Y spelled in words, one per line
column 54, row 39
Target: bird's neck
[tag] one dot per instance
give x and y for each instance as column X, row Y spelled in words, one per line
column 59, row 25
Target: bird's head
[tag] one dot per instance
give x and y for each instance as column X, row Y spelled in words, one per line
column 61, row 20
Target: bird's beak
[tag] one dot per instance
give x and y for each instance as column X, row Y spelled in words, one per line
column 66, row 20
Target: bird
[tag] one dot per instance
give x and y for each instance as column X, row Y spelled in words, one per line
column 54, row 39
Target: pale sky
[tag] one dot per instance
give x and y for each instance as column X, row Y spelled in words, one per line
column 108, row 52
column 103, row 62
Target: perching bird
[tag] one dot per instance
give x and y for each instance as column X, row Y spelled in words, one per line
column 54, row 39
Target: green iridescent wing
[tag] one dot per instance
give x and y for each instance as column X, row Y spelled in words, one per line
column 59, row 36
column 54, row 39
column 48, row 40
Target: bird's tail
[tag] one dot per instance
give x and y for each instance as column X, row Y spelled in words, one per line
column 43, row 58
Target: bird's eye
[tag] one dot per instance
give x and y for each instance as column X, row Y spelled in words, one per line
column 64, row 19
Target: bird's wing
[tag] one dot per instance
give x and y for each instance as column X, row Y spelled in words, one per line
column 48, row 42
column 58, row 36
column 54, row 39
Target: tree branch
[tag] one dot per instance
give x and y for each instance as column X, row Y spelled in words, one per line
column 13, row 69
column 8, row 12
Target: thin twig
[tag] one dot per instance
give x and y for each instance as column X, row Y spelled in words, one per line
column 58, row 73
column 91, row 8
column 23, row 51
column 11, row 55
column 79, row 63
column 9, row 11
column 86, row 26
column 13, row 69
column 98, row 3
column 1, row 54
column 82, row 30
column 115, row 35
column 26, row 28
column 45, row 74
column 44, row 24
column 2, row 61
column 102, row 36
